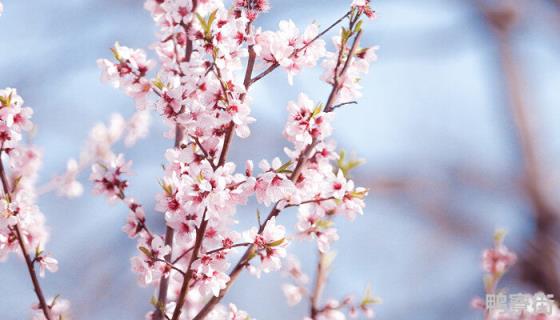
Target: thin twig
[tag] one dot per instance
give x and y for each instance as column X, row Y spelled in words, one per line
column 322, row 33
column 244, row 244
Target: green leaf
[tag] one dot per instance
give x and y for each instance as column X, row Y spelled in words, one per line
column 345, row 36
column 38, row 251
column 167, row 188
column 158, row 83
column 145, row 251
column 276, row 243
column 358, row 26
column 157, row 304
column 347, row 166
column 324, row 224
column 202, row 22
column 359, row 194
column 116, row 52
column 317, row 110
column 499, row 236
column 211, row 18
column 284, row 167
column 369, row 299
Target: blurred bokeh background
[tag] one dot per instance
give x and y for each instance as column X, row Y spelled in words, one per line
column 459, row 123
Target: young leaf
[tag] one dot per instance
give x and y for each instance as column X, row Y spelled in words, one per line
column 276, row 243
column 284, row 167
column 146, row 251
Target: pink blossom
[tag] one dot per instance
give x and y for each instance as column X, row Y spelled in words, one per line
column 293, row 293
column 290, row 49
column 350, row 81
column 128, row 73
column 363, row 6
column 14, row 118
column 108, row 177
column 292, row 268
column 58, row 309
column 200, row 91
column 46, row 263
column 270, row 247
column 137, row 127
column 306, row 122
column 498, row 259
column 272, row 185
column 67, row 185
column 312, row 221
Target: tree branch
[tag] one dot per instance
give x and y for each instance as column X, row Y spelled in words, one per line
column 188, row 275
column 320, row 281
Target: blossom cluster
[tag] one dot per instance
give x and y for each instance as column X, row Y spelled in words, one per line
column 98, row 150
column 201, row 91
column 289, row 48
column 22, row 224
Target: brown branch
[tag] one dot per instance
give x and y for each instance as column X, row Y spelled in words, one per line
column 243, row 244
column 169, row 232
column 204, row 152
column 171, row 265
column 28, row 261
column 182, row 255
column 188, row 275
column 309, row 201
column 320, row 281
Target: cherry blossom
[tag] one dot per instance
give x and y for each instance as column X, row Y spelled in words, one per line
column 128, row 73
column 273, row 184
column 364, row 6
column 68, row 185
column 350, row 89
column 207, row 54
column 270, row 247
column 22, row 224
column 229, row 313
column 46, row 263
column 59, row 309
column 290, row 49
column 498, row 260
column 137, row 127
column 307, row 122
column 293, row 293
column 108, row 177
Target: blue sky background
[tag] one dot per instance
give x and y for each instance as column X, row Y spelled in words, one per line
column 432, row 114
